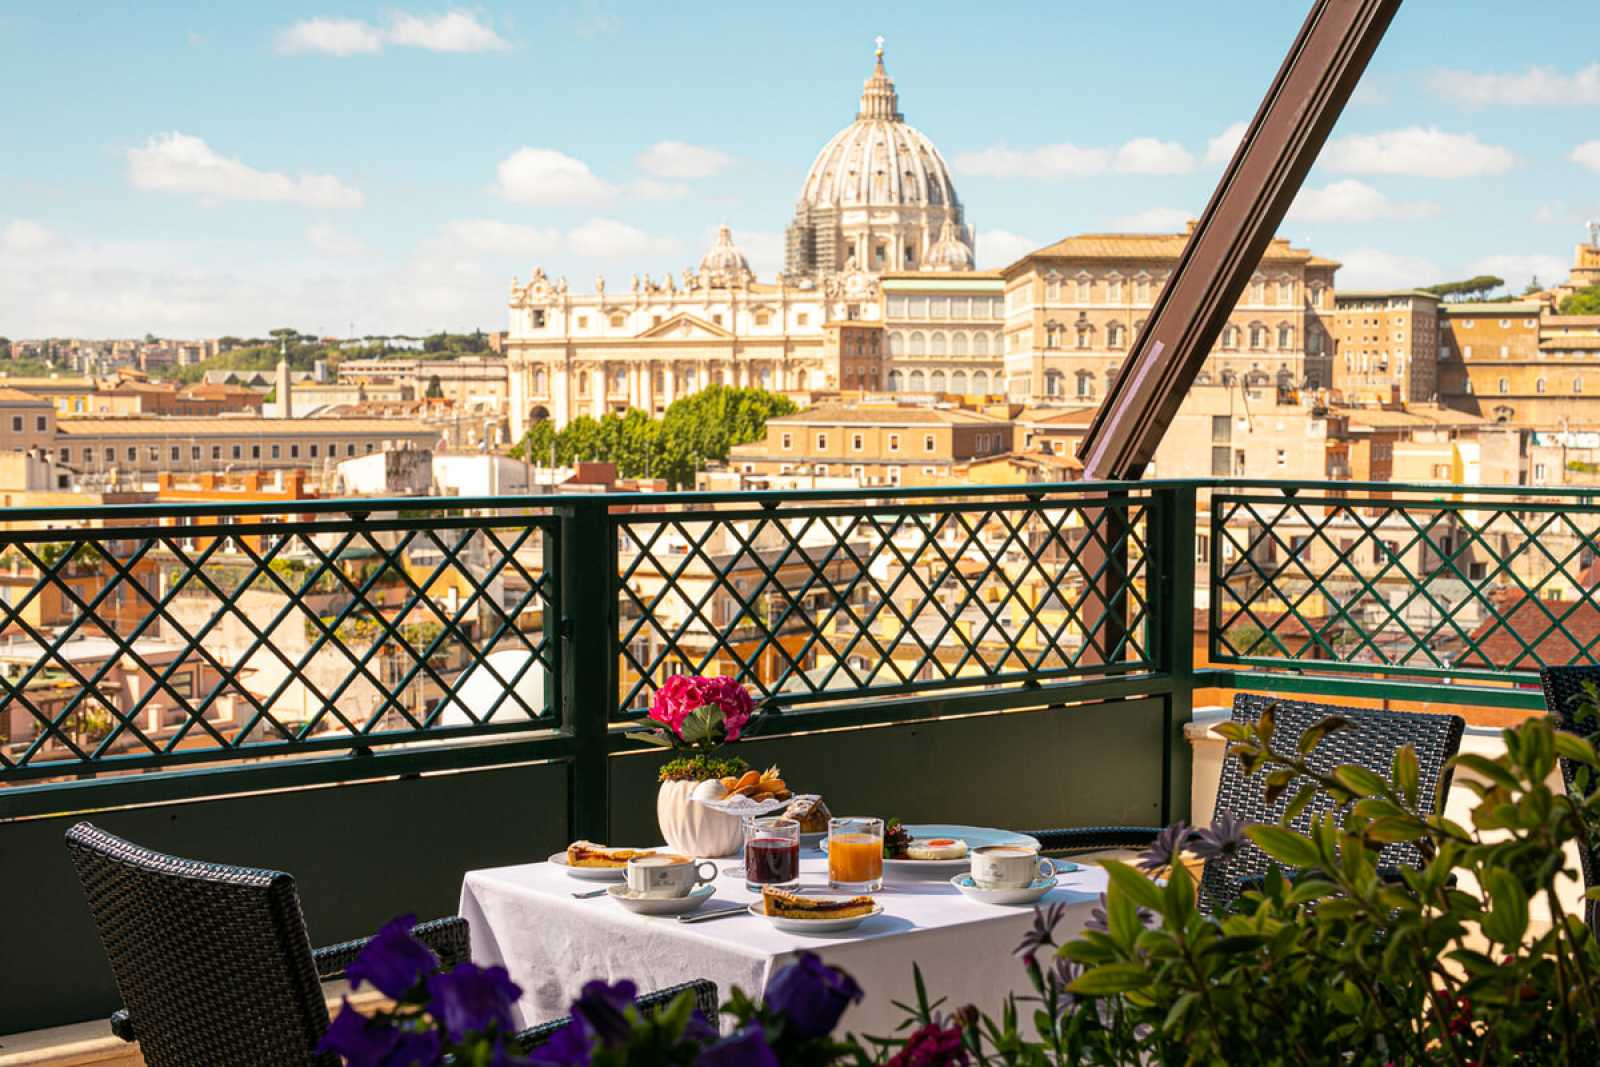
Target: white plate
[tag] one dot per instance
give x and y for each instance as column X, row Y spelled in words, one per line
column 814, row 839
column 813, row 926
column 661, row 905
column 1025, row 895
column 588, row 874
column 974, row 836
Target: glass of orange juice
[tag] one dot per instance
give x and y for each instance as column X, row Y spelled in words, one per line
column 855, row 855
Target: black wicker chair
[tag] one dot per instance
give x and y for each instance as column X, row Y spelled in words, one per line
column 213, row 961
column 705, row 998
column 1563, row 693
column 1371, row 744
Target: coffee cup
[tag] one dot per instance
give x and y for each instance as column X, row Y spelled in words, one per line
column 1008, row 866
column 664, row 875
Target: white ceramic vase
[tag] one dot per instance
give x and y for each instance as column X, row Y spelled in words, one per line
column 693, row 829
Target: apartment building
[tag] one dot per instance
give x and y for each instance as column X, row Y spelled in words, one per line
column 944, row 332
column 26, row 422
column 1385, row 346
column 1490, row 365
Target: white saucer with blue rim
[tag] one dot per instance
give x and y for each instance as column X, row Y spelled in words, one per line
column 661, row 905
column 1028, row 894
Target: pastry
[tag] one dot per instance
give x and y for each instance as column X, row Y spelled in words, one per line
column 811, row 813
column 788, row 905
column 589, row 854
column 936, row 848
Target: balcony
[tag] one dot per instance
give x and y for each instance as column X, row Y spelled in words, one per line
column 379, row 695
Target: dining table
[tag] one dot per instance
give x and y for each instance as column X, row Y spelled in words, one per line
column 528, row 919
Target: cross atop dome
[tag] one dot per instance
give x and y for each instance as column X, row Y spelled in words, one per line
column 878, row 99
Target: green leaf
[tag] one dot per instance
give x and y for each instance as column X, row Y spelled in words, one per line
column 1573, row 747
column 1359, row 780
column 1276, row 783
column 703, row 725
column 1314, row 735
column 1507, row 921
column 1406, row 773
column 1484, row 767
column 1179, row 894
column 1179, row 1009
column 1306, row 794
column 1285, row 846
column 1141, row 890
column 1267, row 725
column 1110, row 978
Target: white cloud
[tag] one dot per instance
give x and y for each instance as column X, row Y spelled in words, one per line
column 331, row 37
column 1557, row 212
column 1518, row 270
column 1424, row 152
column 331, row 241
column 675, row 159
column 1220, row 149
column 1154, row 220
column 1001, row 248
column 1372, row 268
column 1355, row 201
column 454, row 31
column 1587, row 154
column 1536, row 86
column 501, row 238
column 178, row 162
column 25, row 235
column 545, row 176
column 650, row 189
column 1146, row 155
column 610, row 239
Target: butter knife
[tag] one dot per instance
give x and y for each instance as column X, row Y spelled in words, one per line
column 719, row 913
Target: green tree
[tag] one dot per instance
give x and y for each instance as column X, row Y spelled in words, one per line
column 1477, row 287
column 435, row 390
column 1582, row 302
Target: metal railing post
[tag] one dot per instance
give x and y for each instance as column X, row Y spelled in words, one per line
column 588, row 657
column 1177, row 541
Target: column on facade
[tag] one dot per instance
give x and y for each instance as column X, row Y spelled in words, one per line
column 560, row 395
column 647, row 386
column 780, row 375
column 519, row 398
column 600, row 382
column 669, row 383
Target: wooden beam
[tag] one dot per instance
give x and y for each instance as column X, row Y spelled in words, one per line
column 1306, row 98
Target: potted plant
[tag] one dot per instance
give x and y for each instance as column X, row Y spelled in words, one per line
column 698, row 716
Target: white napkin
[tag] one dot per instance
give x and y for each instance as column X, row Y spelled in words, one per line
column 744, row 807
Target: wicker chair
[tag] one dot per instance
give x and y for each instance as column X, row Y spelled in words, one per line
column 1371, row 744
column 705, row 998
column 1563, row 691
column 213, row 961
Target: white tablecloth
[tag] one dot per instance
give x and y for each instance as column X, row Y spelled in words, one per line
column 526, row 919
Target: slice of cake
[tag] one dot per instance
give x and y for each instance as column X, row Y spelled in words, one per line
column 788, row 905
column 811, row 813
column 589, row 854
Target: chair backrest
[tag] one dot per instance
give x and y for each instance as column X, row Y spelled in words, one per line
column 213, row 961
column 705, row 998
column 1372, row 744
column 1564, row 694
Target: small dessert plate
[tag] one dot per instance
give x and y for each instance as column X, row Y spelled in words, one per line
column 661, row 905
column 1026, row 895
column 813, row 840
column 812, row 926
column 588, row 874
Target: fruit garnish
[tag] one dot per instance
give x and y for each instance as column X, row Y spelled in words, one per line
column 896, row 839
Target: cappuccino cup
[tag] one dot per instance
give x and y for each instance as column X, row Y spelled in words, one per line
column 1008, row 866
column 664, row 876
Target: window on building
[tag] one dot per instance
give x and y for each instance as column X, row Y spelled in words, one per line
column 1113, row 289
column 1230, row 337
column 857, row 442
column 1285, row 336
column 1085, row 335
column 1258, row 335
column 1052, row 383
column 16, row 424
column 1221, row 429
column 583, row 322
column 801, row 318
column 238, row 452
column 538, row 318
column 1538, row 386
column 763, row 318
column 1114, row 335
column 617, row 320
column 349, row 448
column 894, row 442
column 133, row 454
column 1577, row 385
column 1085, row 384
column 822, row 441
column 928, row 442
column 294, row 451
column 216, row 452
column 40, row 423
column 918, row 382
column 1052, row 288
column 1085, row 289
column 1505, row 385
column 917, row 344
column 277, row 451
column 64, row 455
column 787, row 441
column 194, row 451
column 1283, row 458
column 938, row 344
column 1052, row 334
column 111, row 455
column 1538, row 472
column 1221, row 461
column 88, row 455
column 371, row 448
column 175, row 453
column 1141, row 289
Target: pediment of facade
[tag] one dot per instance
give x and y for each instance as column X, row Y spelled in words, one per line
column 686, row 327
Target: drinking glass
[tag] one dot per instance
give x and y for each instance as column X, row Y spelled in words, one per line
column 855, row 854
column 771, row 852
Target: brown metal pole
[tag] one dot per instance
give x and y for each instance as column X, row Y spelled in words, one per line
column 1310, row 91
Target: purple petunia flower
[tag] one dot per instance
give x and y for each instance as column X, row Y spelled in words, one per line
column 570, row 1046
column 604, row 1009
column 931, row 1046
column 699, row 1029
column 416, row 1048
column 393, row 960
column 358, row 1041
column 470, row 999
column 811, row 996
column 1222, row 839
column 1164, row 850
column 744, row 1048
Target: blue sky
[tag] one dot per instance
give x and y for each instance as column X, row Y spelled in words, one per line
column 195, row 169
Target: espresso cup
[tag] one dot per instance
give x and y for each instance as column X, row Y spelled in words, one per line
column 1008, row 866
column 664, row 875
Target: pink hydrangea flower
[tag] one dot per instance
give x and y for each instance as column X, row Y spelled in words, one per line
column 683, row 693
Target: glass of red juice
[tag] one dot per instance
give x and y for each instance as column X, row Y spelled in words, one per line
column 771, row 852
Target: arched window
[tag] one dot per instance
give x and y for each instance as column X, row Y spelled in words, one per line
column 1258, row 335
column 1114, row 335
column 688, row 380
column 936, row 381
column 919, row 344
column 919, row 384
column 938, row 344
column 980, row 381
column 1285, row 336
column 1052, row 383
column 1230, row 337
column 619, row 381
column 897, row 343
column 958, row 382
column 958, row 344
column 1538, row 386
column 1505, row 385
column 583, row 383
column 895, row 381
column 980, row 344
column 539, row 381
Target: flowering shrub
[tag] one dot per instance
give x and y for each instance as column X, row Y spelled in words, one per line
column 702, row 712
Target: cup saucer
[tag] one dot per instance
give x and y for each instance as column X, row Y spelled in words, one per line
column 1027, row 894
column 661, row 905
